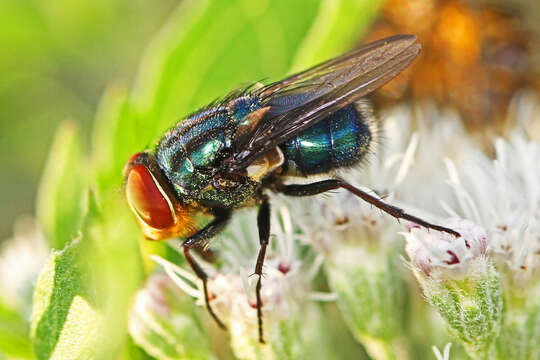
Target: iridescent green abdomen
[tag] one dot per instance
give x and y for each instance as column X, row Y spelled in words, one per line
column 190, row 155
column 340, row 140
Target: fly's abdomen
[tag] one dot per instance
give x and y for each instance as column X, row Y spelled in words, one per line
column 340, row 140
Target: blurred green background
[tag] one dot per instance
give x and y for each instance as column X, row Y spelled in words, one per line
column 56, row 57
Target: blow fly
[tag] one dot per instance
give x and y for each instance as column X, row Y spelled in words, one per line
column 230, row 154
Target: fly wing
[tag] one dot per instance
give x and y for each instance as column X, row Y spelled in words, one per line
column 298, row 102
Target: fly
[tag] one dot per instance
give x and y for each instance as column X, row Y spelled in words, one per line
column 230, row 154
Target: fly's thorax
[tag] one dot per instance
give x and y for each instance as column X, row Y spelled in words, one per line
column 230, row 193
column 341, row 140
column 192, row 154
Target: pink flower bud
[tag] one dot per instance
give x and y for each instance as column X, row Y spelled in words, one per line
column 430, row 250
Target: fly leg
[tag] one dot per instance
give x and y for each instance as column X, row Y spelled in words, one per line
column 263, row 223
column 332, row 184
column 206, row 233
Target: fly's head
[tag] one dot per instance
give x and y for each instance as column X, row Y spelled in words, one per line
column 151, row 198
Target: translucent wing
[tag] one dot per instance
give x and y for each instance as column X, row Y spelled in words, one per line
column 301, row 100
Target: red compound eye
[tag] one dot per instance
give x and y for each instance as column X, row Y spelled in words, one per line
column 145, row 198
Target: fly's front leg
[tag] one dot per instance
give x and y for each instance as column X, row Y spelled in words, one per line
column 206, row 233
column 263, row 223
column 332, row 184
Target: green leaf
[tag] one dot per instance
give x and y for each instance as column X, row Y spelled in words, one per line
column 82, row 295
column 64, row 319
column 113, row 262
column 60, row 198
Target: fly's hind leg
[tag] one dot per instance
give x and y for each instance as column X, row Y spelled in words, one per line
column 206, row 233
column 332, row 184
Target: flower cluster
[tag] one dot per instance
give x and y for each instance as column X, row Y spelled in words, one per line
column 359, row 243
column 504, row 196
column 286, row 291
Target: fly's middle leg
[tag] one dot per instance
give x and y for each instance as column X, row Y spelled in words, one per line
column 263, row 223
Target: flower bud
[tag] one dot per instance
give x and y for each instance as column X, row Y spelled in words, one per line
column 459, row 281
column 370, row 290
column 441, row 255
column 163, row 322
column 362, row 263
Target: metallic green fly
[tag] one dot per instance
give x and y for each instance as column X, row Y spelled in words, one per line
column 229, row 154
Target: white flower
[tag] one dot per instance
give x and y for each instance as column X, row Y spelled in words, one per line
column 503, row 195
column 415, row 142
column 285, row 291
column 524, row 112
column 340, row 219
column 163, row 322
column 286, row 277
